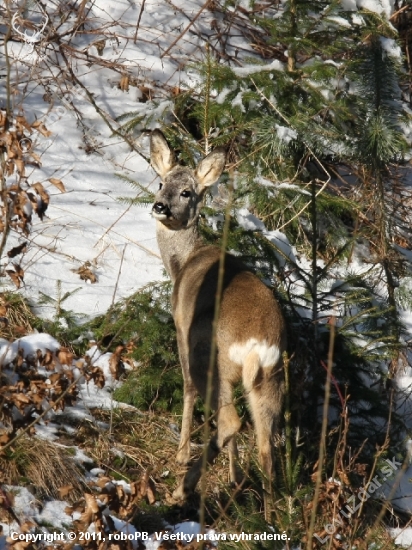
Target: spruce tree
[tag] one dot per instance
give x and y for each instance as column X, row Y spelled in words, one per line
column 315, row 136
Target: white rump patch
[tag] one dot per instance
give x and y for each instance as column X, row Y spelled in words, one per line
column 268, row 355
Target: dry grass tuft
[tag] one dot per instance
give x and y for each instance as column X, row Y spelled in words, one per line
column 45, row 465
column 16, row 319
column 136, row 442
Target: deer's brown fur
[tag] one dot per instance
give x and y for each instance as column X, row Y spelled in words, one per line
column 250, row 335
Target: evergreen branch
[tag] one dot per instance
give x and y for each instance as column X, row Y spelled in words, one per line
column 147, row 198
column 136, row 201
column 310, row 151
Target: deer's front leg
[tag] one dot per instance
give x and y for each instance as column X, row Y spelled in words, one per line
column 183, row 453
column 189, row 396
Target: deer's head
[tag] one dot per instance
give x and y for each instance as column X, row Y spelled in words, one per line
column 177, row 202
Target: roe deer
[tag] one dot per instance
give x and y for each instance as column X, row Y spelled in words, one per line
column 250, row 333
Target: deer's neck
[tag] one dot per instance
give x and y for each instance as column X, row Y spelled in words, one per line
column 176, row 246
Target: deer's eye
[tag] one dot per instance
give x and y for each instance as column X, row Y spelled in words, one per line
column 185, row 193
column 160, row 186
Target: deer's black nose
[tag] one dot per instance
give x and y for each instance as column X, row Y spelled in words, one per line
column 160, row 208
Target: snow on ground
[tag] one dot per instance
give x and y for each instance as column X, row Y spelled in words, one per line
column 87, row 223
column 403, row 537
column 29, row 344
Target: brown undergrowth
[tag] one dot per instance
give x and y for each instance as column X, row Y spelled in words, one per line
column 40, row 388
column 135, row 453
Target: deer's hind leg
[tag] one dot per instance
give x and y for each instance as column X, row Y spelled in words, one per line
column 228, row 425
column 265, row 388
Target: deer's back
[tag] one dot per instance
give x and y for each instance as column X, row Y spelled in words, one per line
column 248, row 311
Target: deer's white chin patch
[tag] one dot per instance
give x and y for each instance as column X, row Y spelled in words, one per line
column 268, row 355
column 160, row 217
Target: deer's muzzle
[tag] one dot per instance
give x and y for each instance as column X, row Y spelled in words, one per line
column 161, row 211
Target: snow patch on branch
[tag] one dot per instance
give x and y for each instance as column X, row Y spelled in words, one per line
column 391, row 48
column 285, row 134
column 377, row 6
column 276, row 65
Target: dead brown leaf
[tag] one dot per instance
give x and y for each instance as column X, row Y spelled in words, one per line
column 96, row 374
column 86, row 274
column 147, row 487
column 36, row 158
column 65, row 356
column 58, row 183
column 124, row 83
column 41, row 191
column 16, row 275
column 39, row 199
column 47, row 359
column 115, row 363
column 4, row 438
column 21, row 121
column 65, row 490
column 40, row 127
column 19, row 166
column 100, row 45
column 343, row 477
column 151, row 491
column 17, row 250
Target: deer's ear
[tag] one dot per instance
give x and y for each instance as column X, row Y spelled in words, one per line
column 211, row 167
column 161, row 156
